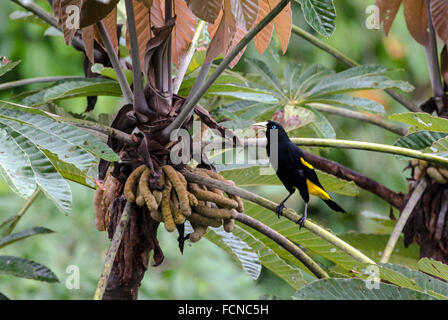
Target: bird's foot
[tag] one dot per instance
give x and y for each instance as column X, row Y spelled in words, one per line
column 279, row 209
column 301, row 222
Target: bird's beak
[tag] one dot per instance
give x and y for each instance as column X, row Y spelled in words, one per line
column 260, row 124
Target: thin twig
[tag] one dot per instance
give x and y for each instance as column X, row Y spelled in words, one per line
column 124, row 85
column 432, row 57
column 284, row 242
column 287, row 213
column 191, row 102
column 378, row 121
column 22, row 211
column 24, row 82
column 348, row 62
column 186, row 59
column 112, row 252
column 413, row 200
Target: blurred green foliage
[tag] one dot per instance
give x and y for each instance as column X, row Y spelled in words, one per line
column 204, row 271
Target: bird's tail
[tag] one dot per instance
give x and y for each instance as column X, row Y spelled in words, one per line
column 333, row 205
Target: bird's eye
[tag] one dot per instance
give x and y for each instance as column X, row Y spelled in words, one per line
column 274, row 126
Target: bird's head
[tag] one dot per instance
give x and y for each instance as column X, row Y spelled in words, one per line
column 271, row 126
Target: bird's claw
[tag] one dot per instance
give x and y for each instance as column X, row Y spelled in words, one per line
column 301, row 222
column 279, row 210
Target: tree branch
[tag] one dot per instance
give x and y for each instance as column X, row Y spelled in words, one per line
column 196, row 96
column 284, row 242
column 348, row 62
column 112, row 252
column 287, row 213
column 23, row 82
column 22, row 211
column 410, row 205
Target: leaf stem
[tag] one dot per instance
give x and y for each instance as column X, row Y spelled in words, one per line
column 22, row 211
column 413, row 200
column 124, row 85
column 348, row 62
column 378, row 121
column 287, row 213
column 190, row 103
column 112, row 252
column 285, row 243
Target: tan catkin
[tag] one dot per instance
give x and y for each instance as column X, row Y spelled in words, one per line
column 197, row 234
column 139, row 199
column 179, row 218
column 168, row 219
column 198, row 219
column 151, row 202
column 436, row 176
column 180, row 189
column 215, row 212
column 229, row 224
column 130, row 183
column 157, row 215
column 205, row 195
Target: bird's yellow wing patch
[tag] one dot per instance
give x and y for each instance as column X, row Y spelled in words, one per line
column 306, row 164
column 317, row 191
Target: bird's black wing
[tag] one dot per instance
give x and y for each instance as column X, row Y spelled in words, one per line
column 298, row 158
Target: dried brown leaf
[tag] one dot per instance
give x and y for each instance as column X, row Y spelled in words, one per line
column 245, row 12
column 388, row 12
column 110, row 24
column 143, row 28
column 239, row 34
column 283, row 23
column 439, row 13
column 263, row 38
column 94, row 11
column 183, row 30
column 417, row 20
column 205, row 10
column 87, row 38
column 69, row 18
column 223, row 37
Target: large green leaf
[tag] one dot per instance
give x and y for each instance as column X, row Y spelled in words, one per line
column 25, row 268
column 56, row 126
column 8, row 67
column 347, row 101
column 357, row 78
column 74, row 88
column 320, row 15
column 23, row 235
column 249, row 177
column 322, row 127
column 405, row 277
column 263, row 69
column 311, row 243
column 295, row 277
column 15, row 166
column 433, row 267
column 422, row 120
column 46, row 176
column 420, row 140
column 373, row 246
column 356, row 289
column 440, row 147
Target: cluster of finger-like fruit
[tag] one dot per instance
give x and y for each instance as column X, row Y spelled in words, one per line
column 437, row 174
column 177, row 202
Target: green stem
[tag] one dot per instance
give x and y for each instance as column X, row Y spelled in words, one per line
column 186, row 59
column 22, row 211
column 287, row 213
column 112, row 252
column 19, row 83
column 285, row 243
column 348, row 62
column 359, row 145
column 413, row 200
column 378, row 121
column 189, row 105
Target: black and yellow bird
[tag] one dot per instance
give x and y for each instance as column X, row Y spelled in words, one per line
column 293, row 169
